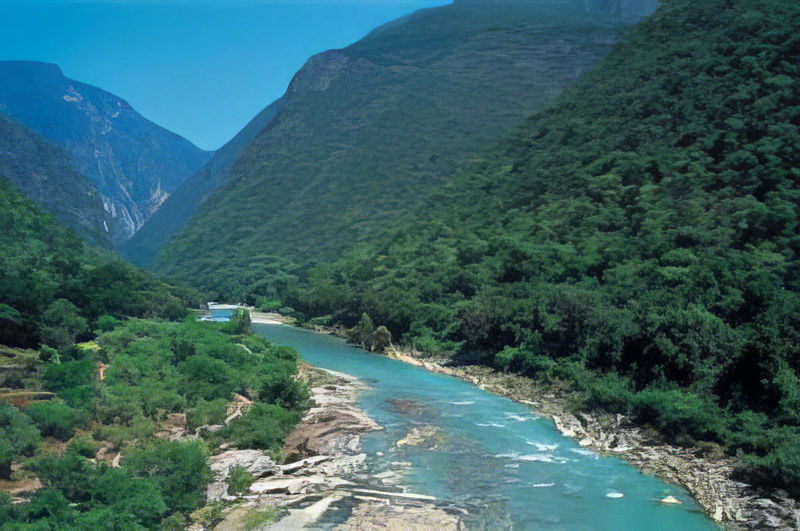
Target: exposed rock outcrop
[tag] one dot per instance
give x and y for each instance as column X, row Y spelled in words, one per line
column 708, row 477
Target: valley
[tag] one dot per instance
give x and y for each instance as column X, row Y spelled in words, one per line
column 495, row 265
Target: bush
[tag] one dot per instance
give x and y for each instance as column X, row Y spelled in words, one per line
column 263, row 427
column 207, row 412
column 49, row 354
column 265, row 304
column 62, row 323
column 675, row 413
column 107, row 323
column 239, row 322
column 180, row 469
column 18, row 437
column 56, row 419
column 239, row 480
column 83, row 446
column 282, row 390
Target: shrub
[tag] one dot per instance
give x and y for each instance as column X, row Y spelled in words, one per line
column 239, row 322
column 180, row 468
column 263, row 427
column 265, row 304
column 207, row 412
column 62, row 323
column 239, row 480
column 83, row 446
column 56, row 419
column 107, row 323
column 282, row 390
column 18, row 436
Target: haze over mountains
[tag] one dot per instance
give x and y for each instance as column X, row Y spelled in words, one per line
column 132, row 162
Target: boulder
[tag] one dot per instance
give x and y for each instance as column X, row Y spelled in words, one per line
column 254, row 461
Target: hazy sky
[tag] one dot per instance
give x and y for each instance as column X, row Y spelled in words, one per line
column 201, row 68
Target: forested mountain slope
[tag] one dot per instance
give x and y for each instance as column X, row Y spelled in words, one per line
column 45, row 267
column 175, row 212
column 364, row 131
column 44, row 173
column 89, row 394
column 134, row 163
column 640, row 239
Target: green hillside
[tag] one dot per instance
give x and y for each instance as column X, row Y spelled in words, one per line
column 639, row 240
column 175, row 212
column 46, row 270
column 88, row 392
column 44, row 173
column 364, row 131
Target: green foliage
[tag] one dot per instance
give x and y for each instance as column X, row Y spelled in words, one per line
column 639, row 240
column 240, row 321
column 107, row 323
column 266, row 304
column 368, row 336
column 239, row 480
column 179, row 468
column 62, row 324
column 375, row 141
column 56, row 419
column 51, row 286
column 263, row 427
column 83, row 446
column 18, row 437
column 105, row 496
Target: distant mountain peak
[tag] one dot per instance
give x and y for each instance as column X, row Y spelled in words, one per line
column 134, row 163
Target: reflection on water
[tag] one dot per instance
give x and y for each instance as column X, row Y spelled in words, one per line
column 490, row 455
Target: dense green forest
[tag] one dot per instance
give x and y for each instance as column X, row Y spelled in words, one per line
column 53, row 288
column 364, row 132
column 89, row 392
column 639, row 241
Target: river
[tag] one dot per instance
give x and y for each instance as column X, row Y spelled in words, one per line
column 510, row 468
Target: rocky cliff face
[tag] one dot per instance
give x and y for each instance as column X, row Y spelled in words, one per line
column 44, row 173
column 134, row 163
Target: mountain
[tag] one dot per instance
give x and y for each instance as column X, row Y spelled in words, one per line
column 638, row 242
column 132, row 162
column 175, row 212
column 364, row 131
column 45, row 174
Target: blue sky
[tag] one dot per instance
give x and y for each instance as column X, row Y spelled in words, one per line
column 201, row 68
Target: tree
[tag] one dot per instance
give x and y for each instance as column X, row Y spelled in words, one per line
column 240, row 321
column 18, row 436
column 62, row 322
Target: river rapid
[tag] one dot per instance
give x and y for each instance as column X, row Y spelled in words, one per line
column 497, row 458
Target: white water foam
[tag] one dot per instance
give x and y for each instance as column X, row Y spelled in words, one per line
column 490, row 425
column 543, row 485
column 584, row 451
column 542, row 447
column 516, row 456
column 464, row 403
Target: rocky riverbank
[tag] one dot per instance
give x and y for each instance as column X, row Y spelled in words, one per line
column 706, row 473
column 324, row 473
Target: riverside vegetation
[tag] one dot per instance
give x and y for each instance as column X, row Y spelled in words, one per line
column 104, row 376
column 638, row 242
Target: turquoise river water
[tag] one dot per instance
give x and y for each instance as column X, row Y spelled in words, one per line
column 510, row 468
